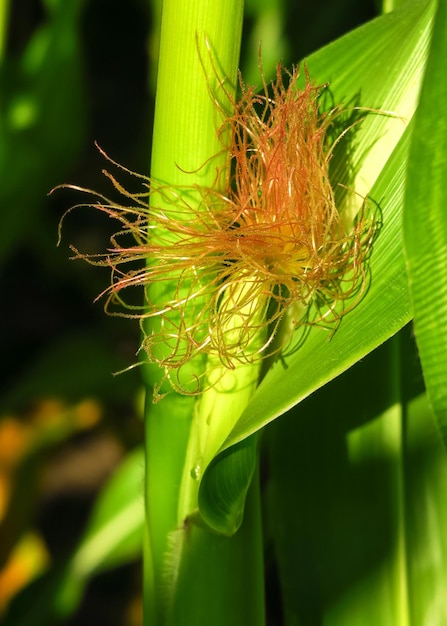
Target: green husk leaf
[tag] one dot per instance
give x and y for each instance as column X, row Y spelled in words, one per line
column 228, row 477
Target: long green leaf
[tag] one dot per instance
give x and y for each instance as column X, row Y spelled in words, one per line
column 354, row 65
column 425, row 222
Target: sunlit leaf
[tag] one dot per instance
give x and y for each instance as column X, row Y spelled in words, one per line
column 425, row 222
column 381, row 147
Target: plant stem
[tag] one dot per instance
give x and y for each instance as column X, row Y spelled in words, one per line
column 199, row 50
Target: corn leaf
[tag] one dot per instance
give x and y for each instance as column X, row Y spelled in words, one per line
column 354, row 66
column 425, row 222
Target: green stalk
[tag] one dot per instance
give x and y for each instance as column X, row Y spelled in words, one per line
column 192, row 576
column 185, row 116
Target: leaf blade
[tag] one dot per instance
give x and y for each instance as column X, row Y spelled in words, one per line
column 386, row 307
column 425, row 223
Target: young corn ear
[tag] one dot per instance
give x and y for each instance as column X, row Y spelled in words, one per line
column 273, row 242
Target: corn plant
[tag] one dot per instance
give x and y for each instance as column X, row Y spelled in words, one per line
column 291, row 432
